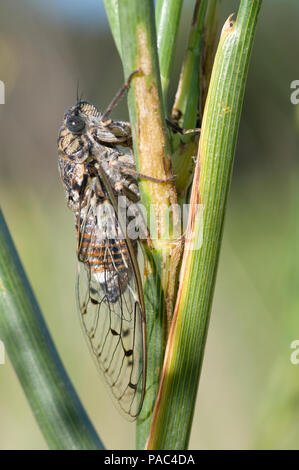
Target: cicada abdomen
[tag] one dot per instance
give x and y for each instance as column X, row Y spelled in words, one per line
column 104, row 250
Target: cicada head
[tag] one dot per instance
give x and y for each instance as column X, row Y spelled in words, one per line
column 78, row 116
column 73, row 140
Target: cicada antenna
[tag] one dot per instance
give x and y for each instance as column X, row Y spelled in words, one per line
column 79, row 97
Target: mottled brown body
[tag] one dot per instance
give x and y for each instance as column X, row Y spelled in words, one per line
column 79, row 158
column 95, row 171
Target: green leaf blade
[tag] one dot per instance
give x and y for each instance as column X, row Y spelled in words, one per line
column 54, row 402
column 173, row 414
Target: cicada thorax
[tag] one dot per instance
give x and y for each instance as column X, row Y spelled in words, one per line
column 103, row 250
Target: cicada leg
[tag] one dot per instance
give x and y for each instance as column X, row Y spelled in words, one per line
column 117, row 97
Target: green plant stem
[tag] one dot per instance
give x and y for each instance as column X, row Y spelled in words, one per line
column 111, row 7
column 152, row 154
column 173, row 414
column 54, row 402
column 210, row 36
column 185, row 108
column 168, row 13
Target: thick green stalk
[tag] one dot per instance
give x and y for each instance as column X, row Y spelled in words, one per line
column 173, row 414
column 151, row 150
column 54, row 402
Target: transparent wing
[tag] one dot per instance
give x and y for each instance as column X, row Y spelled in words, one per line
column 111, row 307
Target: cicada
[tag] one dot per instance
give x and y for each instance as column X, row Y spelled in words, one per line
column 96, row 169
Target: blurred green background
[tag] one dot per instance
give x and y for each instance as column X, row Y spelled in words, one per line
column 249, row 390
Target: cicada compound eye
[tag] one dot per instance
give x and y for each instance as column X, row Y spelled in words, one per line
column 75, row 124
